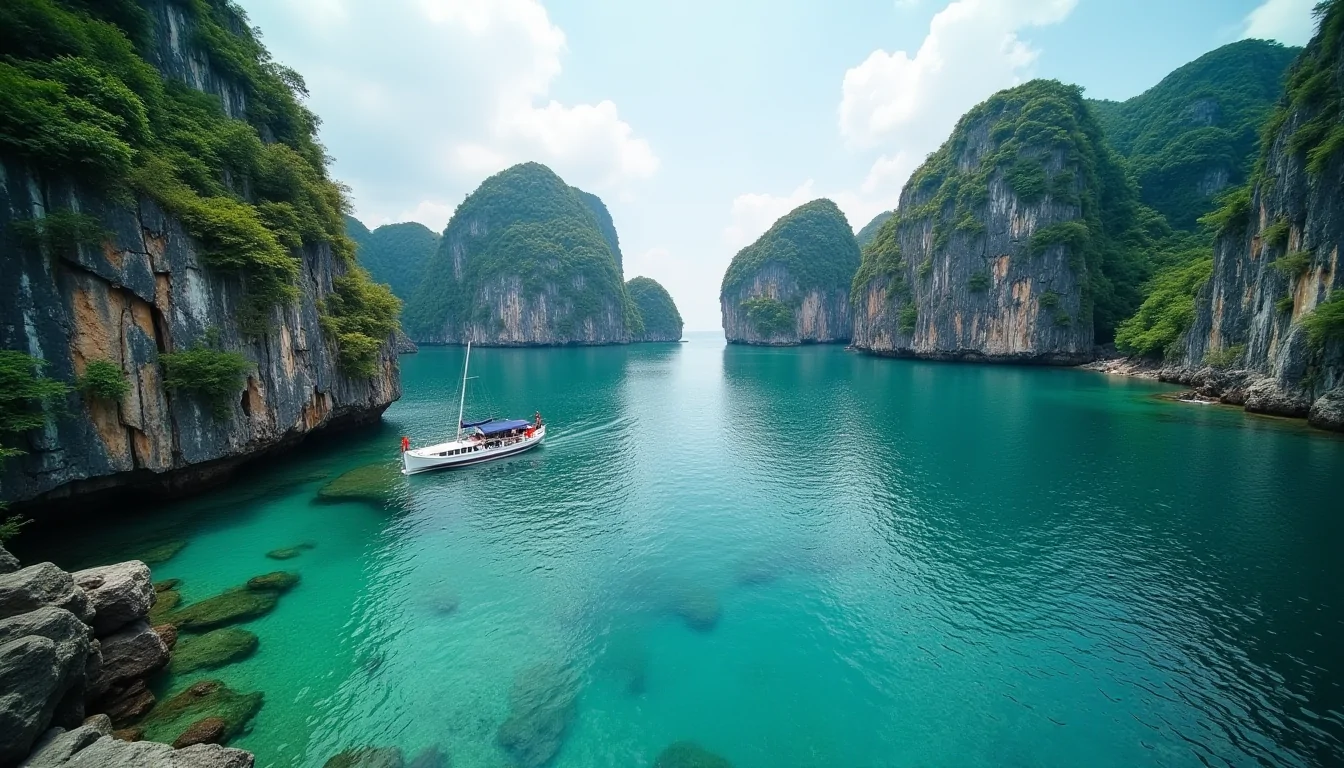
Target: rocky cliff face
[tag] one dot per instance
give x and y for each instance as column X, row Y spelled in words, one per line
column 658, row 314
column 1276, row 270
column 143, row 288
column 74, row 644
column 995, row 252
column 523, row 262
column 791, row 286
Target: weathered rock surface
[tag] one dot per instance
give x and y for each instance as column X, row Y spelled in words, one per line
column 147, row 289
column 792, row 285
column 58, row 745
column 126, row 703
column 136, row 651
column 168, row 721
column 523, row 262
column 984, row 259
column 1328, row 411
column 44, row 584
column 1283, row 248
column 8, row 562
column 119, row 594
column 44, row 659
column 108, row 751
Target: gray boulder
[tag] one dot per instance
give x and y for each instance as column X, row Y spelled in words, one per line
column 119, row 594
column 44, row 657
column 1328, row 410
column 31, row 588
column 107, row 752
column 8, row 562
column 134, row 652
column 59, row 745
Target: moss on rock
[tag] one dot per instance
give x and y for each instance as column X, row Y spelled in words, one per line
column 235, row 605
column 289, row 553
column 166, row 585
column 688, row 754
column 213, row 649
column 173, row 718
column 275, row 581
column 164, row 604
column 161, row 553
column 374, row 484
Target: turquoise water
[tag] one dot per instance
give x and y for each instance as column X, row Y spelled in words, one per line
column 914, row 564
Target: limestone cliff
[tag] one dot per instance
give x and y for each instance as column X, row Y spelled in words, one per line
column 1004, row 244
column 791, row 286
column 1195, row 133
column 97, row 268
column 523, row 262
column 1268, row 327
column 658, row 315
column 395, row 254
column 605, row 224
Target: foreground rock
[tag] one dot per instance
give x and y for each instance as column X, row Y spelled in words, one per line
column 53, row 663
column 119, row 594
column 541, row 706
column 45, row 660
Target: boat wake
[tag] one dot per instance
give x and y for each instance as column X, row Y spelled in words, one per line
column 584, row 434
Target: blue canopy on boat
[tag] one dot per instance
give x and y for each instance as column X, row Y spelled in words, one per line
column 499, row 427
column 470, row 424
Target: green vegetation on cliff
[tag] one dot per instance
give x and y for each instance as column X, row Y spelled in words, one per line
column 78, row 98
column 768, row 316
column 214, row 375
column 1315, row 94
column 25, row 394
column 1030, row 129
column 869, row 231
column 394, row 254
column 525, row 224
column 813, row 242
column 1168, row 308
column 1196, row 132
column 656, row 308
column 604, row 223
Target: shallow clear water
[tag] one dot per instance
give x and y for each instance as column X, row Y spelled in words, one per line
column 915, row 564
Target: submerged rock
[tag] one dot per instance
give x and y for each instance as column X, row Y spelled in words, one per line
column 213, row 649
column 541, row 708
column 118, row 593
column 126, row 704
column 374, row 484
column 429, row 757
column 162, row 553
column 688, row 754
column 367, row 757
column 275, row 581
column 207, row 730
column 165, row 603
column 231, row 607
column 166, row 585
column 170, row 720
column 289, row 553
column 698, row 608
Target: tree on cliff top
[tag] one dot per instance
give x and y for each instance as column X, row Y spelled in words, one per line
column 814, row 242
column 656, row 308
column 523, row 223
column 869, row 231
column 79, row 98
column 1201, row 121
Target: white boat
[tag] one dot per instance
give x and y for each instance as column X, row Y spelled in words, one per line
column 476, row 442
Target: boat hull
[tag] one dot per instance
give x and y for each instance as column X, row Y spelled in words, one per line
column 427, row 460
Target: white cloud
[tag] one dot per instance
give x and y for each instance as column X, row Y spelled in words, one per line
column 753, row 213
column 972, row 50
column 1288, row 21
column 427, row 97
column 432, row 213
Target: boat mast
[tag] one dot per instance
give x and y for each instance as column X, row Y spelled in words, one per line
column 462, row 402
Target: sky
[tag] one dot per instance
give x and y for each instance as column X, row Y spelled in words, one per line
column 700, row 122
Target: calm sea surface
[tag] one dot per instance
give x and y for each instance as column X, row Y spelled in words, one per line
column 793, row 557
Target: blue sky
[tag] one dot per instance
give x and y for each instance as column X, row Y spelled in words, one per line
column 700, row 122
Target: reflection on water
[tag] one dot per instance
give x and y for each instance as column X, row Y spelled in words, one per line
column 793, row 557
